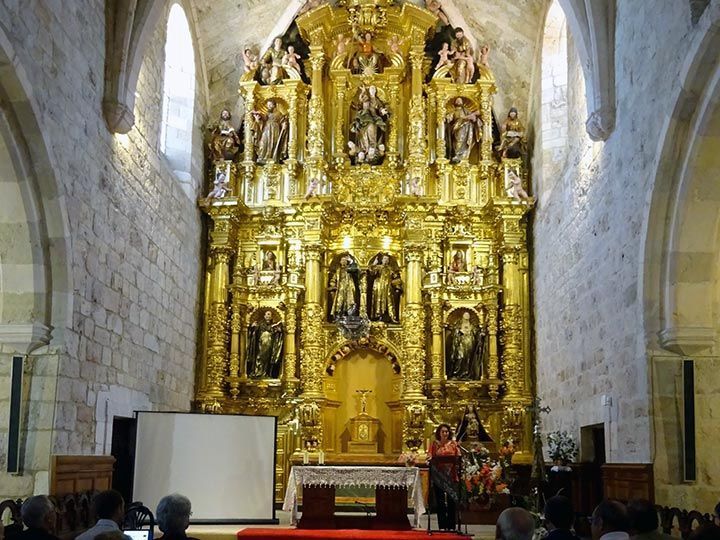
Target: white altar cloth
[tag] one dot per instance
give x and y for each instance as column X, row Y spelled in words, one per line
column 407, row 477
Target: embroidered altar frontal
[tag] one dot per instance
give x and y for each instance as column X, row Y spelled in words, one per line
column 367, row 269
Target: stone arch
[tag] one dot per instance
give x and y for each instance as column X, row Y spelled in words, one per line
column 553, row 101
column 38, row 199
column 129, row 28
column 377, row 345
column 682, row 242
column 592, row 25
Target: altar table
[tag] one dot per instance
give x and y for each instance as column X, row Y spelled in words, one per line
column 392, row 485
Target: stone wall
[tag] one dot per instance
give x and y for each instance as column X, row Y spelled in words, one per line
column 588, row 241
column 134, row 233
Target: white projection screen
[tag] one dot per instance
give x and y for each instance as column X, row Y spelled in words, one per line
column 225, row 464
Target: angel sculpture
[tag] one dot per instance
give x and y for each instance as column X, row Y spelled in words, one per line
column 514, row 188
column 250, row 59
column 220, row 186
column 291, row 59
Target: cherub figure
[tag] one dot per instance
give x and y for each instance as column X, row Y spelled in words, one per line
column 250, row 59
column 341, row 45
column 485, row 56
column 444, row 55
column 313, row 189
column 291, row 59
column 220, row 186
column 514, row 188
column 395, row 42
column 416, row 186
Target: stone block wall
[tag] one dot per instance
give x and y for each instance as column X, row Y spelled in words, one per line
column 588, row 240
column 133, row 229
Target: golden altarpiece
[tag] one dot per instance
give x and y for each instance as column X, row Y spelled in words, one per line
column 364, row 246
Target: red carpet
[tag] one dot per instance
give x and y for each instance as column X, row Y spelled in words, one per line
column 344, row 534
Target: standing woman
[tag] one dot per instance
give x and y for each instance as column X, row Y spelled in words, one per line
column 445, row 477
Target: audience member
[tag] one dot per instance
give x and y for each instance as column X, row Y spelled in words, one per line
column 716, row 515
column 112, row 535
column 610, row 521
column 109, row 510
column 709, row 531
column 644, row 521
column 173, row 517
column 39, row 516
column 559, row 517
column 515, row 524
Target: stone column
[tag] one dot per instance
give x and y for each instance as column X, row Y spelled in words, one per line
column 413, row 324
column 312, row 320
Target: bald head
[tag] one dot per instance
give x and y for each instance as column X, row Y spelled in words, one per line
column 515, row 524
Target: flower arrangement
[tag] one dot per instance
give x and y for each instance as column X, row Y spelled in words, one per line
column 410, row 458
column 483, row 477
column 562, row 449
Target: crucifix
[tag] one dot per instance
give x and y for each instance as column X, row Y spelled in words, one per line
column 363, row 399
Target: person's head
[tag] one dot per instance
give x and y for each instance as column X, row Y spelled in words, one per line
column 225, row 114
column 366, row 104
column 709, row 531
column 716, row 515
column 558, row 513
column 458, row 102
column 270, row 104
column 512, row 113
column 268, row 316
column 344, row 261
column 385, row 259
column 112, row 535
column 466, row 317
column 291, row 49
column 368, row 37
column 173, row 513
column 609, row 516
column 515, row 524
column 372, row 91
column 109, row 505
column 277, row 43
column 38, row 512
column 643, row 516
column 445, row 46
column 442, row 432
column 459, row 32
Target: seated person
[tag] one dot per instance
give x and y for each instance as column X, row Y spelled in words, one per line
column 515, row 524
column 559, row 517
column 644, row 521
column 39, row 516
column 109, row 510
column 173, row 517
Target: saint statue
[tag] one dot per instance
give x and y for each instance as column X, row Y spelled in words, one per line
column 273, row 72
column 269, row 261
column 458, row 263
column 343, row 285
column 513, row 133
column 386, row 288
column 465, row 350
column 471, row 429
column 265, row 348
column 270, row 134
column 368, row 128
column 463, row 129
column 367, row 61
column 224, row 140
column 464, row 61
column 436, row 7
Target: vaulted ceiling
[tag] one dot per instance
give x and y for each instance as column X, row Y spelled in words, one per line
column 510, row 27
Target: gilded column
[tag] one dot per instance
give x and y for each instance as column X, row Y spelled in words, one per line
column 316, row 116
column 392, row 150
column 236, row 320
column 311, row 337
column 339, row 132
column 486, row 115
column 248, row 164
column 512, row 324
column 217, row 323
column 292, row 134
column 436, row 327
column 289, row 374
column 413, row 324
